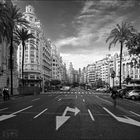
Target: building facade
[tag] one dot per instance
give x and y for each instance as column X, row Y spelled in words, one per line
column 32, row 57
column 71, row 73
column 91, row 74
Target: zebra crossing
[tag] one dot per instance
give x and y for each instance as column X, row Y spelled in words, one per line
column 69, row 92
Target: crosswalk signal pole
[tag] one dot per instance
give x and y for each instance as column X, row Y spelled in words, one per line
column 113, row 74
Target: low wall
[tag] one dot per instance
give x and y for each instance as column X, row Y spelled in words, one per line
column 29, row 90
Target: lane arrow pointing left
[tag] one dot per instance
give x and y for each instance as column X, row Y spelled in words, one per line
column 5, row 117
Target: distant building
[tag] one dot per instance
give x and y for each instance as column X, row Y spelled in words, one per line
column 46, row 59
column 91, row 74
column 71, row 73
column 58, row 67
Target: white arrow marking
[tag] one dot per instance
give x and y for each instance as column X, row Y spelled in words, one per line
column 59, row 100
column 75, row 110
column 5, row 117
column 60, row 120
column 124, row 120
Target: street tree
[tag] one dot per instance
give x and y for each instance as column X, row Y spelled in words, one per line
column 133, row 46
column 55, row 82
column 22, row 36
column 120, row 34
column 10, row 19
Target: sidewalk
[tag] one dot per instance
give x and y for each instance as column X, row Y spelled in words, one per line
column 11, row 97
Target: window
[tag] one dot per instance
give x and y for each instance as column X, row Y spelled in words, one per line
column 32, row 47
column 32, row 60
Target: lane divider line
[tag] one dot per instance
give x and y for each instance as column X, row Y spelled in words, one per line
column 91, row 115
column 36, row 99
column 104, row 100
column 135, row 113
column 40, row 113
column 21, row 110
column 3, row 109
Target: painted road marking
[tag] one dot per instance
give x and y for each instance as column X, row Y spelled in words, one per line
column 36, row 99
column 40, row 113
column 21, row 110
column 123, row 120
column 57, row 96
column 135, row 113
column 5, row 117
column 3, row 109
column 104, row 100
column 91, row 115
column 59, row 100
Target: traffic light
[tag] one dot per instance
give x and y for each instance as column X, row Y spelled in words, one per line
column 113, row 74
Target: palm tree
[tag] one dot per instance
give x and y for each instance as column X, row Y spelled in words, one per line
column 14, row 18
column 120, row 34
column 4, row 19
column 21, row 36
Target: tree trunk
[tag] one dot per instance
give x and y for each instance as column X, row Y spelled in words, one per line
column 120, row 86
column 23, row 45
column 11, row 64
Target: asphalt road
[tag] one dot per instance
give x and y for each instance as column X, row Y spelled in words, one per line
column 75, row 114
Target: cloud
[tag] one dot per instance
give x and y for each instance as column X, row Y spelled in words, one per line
column 87, row 5
column 93, row 24
column 79, row 60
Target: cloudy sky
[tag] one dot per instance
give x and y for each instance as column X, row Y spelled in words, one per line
column 79, row 28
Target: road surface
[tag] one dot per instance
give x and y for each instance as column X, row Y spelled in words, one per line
column 75, row 114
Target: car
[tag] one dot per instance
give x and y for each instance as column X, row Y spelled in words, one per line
column 134, row 94
column 65, row 88
column 122, row 92
column 101, row 89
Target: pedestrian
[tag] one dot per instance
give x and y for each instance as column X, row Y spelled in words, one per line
column 5, row 94
column 114, row 95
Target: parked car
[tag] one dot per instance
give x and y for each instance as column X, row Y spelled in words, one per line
column 122, row 92
column 134, row 94
column 101, row 89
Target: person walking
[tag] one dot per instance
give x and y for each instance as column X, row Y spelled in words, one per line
column 114, row 96
column 5, row 94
